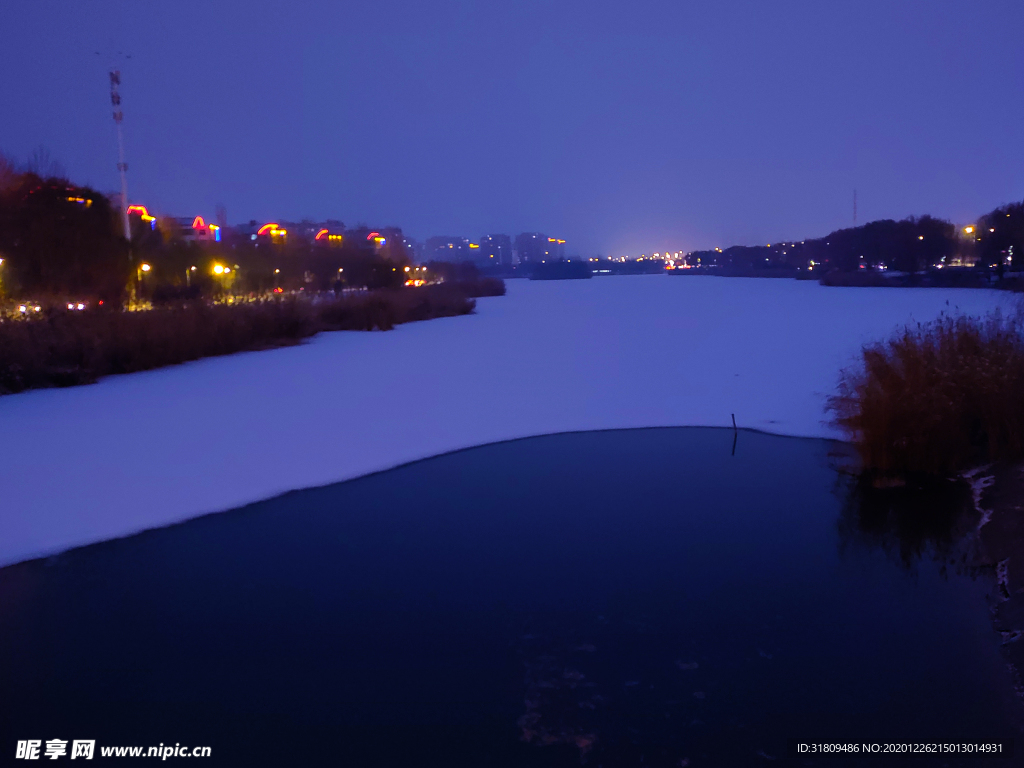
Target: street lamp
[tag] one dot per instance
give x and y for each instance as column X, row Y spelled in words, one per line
column 188, row 276
column 143, row 268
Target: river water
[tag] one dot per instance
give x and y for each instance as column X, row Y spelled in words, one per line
column 658, row 597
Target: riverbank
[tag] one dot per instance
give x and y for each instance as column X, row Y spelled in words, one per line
column 1000, row 497
column 65, row 347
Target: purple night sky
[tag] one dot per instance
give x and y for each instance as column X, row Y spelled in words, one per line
column 622, row 127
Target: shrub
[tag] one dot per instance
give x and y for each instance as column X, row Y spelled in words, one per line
column 937, row 398
column 865, row 278
column 482, row 286
column 64, row 348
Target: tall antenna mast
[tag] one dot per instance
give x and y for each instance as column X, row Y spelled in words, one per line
column 122, row 166
column 855, row 207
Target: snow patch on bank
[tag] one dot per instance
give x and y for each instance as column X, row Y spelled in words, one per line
column 148, row 449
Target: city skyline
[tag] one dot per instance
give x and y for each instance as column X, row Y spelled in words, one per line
column 621, row 132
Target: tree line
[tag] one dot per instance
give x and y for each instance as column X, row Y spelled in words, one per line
column 912, row 245
column 62, row 240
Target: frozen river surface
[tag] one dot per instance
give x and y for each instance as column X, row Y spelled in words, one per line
column 144, row 450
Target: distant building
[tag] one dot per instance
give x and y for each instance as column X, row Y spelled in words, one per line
column 271, row 232
column 453, row 249
column 531, row 247
column 496, row 249
column 247, row 231
column 389, row 242
column 196, row 230
column 414, row 249
column 554, row 250
column 327, row 236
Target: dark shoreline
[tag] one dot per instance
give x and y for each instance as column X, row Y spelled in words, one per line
column 1000, row 541
column 63, row 348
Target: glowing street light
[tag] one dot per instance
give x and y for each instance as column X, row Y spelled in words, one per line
column 188, row 276
column 968, row 230
column 219, row 269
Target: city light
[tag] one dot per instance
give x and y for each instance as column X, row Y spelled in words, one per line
column 272, row 229
column 969, row 230
column 218, row 269
column 145, row 267
column 143, row 213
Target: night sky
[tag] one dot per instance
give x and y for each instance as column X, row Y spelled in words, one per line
column 621, row 127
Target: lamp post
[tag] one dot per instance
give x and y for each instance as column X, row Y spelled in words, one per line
column 188, row 276
column 221, row 272
column 143, row 269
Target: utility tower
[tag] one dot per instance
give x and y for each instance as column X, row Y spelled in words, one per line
column 122, row 166
column 855, row 207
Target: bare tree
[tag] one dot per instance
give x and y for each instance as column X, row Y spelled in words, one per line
column 8, row 172
column 42, row 164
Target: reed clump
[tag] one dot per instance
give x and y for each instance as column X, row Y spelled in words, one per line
column 936, row 398
column 60, row 348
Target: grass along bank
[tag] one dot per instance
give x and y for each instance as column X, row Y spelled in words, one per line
column 937, row 398
column 62, row 348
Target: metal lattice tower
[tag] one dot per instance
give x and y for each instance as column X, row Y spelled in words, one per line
column 122, row 166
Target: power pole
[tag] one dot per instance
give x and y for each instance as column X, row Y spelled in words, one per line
column 122, row 166
column 855, row 207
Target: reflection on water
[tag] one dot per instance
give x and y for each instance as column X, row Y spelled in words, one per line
column 640, row 597
column 927, row 520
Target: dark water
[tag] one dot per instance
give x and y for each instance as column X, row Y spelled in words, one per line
column 617, row 598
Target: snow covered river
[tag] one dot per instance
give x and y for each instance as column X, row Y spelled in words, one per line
column 148, row 449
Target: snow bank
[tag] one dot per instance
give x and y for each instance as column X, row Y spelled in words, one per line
column 144, row 450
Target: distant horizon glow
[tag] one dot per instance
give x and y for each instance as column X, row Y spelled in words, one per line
column 665, row 127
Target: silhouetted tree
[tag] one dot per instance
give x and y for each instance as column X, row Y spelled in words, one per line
column 1000, row 237
column 60, row 239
